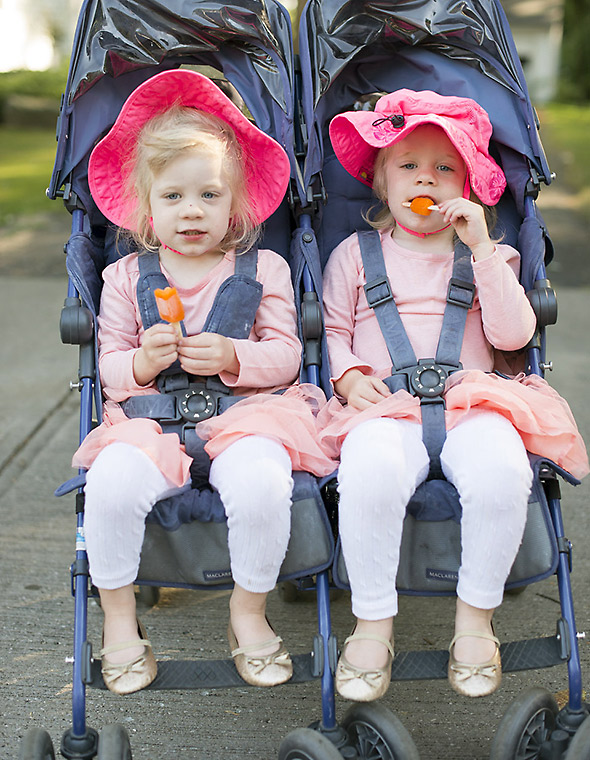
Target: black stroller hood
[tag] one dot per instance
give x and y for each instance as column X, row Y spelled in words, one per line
column 473, row 31
column 352, row 47
column 124, row 35
column 120, row 43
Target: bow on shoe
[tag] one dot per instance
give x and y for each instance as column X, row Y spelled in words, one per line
column 258, row 664
column 464, row 671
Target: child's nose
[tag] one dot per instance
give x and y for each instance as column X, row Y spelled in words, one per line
column 426, row 176
column 192, row 209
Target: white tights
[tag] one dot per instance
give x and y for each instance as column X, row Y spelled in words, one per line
column 253, row 477
column 382, row 463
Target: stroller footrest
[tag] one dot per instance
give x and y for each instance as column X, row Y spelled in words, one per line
column 205, row 674
column 530, row 654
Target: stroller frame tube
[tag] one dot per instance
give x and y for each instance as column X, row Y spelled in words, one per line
column 575, row 707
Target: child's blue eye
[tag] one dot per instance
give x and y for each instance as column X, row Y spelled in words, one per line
column 173, row 196
column 445, row 168
column 208, row 195
column 409, row 165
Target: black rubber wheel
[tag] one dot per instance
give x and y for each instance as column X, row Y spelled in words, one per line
column 528, row 722
column 113, row 743
column 36, row 745
column 579, row 748
column 148, row 596
column 307, row 744
column 376, row 733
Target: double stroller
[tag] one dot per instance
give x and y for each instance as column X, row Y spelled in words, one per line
column 347, row 51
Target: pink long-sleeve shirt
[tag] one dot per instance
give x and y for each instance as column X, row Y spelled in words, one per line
column 501, row 315
column 268, row 359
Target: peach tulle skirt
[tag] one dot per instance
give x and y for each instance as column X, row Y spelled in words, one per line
column 541, row 416
column 289, row 418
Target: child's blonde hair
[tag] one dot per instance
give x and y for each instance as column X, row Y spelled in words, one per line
column 380, row 217
column 161, row 140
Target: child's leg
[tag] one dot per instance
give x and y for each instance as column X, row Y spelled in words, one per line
column 382, row 463
column 485, row 459
column 122, row 486
column 253, row 477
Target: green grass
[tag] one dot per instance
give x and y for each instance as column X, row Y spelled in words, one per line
column 564, row 132
column 26, row 162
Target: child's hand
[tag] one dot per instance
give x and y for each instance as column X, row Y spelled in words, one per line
column 361, row 391
column 207, row 354
column 158, row 351
column 469, row 221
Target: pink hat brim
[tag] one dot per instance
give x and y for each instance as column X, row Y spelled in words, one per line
column 357, row 137
column 267, row 164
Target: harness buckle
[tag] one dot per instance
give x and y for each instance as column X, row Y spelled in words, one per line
column 427, row 379
column 196, row 404
column 378, row 291
column 461, row 292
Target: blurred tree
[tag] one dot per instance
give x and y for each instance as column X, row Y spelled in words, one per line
column 575, row 55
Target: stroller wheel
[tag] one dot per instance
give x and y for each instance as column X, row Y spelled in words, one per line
column 36, row 745
column 376, row 733
column 307, row 744
column 526, row 726
column 579, row 748
column 113, row 743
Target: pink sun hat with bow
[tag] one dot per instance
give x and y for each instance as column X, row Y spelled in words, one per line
column 267, row 168
column 357, row 136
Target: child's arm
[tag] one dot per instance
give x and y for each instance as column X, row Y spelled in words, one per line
column 508, row 318
column 119, row 335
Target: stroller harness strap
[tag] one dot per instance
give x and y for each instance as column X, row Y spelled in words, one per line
column 185, row 399
column 424, row 378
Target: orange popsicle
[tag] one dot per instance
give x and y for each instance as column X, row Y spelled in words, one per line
column 422, row 205
column 170, row 307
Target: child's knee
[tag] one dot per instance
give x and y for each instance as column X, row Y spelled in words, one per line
column 120, row 477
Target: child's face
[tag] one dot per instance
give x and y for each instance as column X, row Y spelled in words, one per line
column 191, row 204
column 425, row 163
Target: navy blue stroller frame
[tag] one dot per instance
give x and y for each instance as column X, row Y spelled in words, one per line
column 350, row 54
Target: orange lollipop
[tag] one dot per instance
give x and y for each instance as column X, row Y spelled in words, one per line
column 170, row 307
column 422, row 205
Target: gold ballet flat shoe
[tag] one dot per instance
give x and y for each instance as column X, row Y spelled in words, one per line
column 127, row 677
column 358, row 684
column 477, row 680
column 261, row 670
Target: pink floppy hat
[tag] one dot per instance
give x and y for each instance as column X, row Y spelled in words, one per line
column 267, row 167
column 357, row 136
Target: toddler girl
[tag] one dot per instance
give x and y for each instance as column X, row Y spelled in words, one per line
column 186, row 172
column 424, row 145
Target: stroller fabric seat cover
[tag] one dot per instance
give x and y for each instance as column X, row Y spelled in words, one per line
column 357, row 136
column 267, row 164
